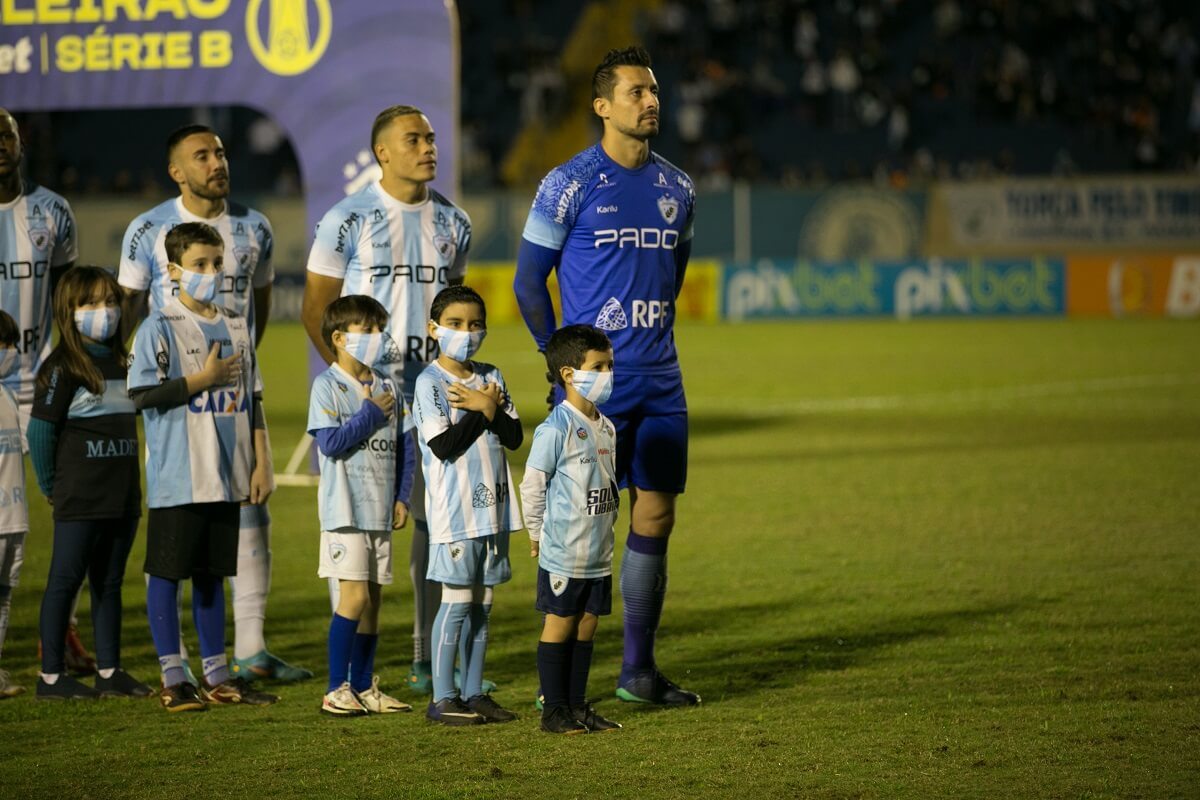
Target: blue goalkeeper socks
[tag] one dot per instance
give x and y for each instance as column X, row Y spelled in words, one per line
column 643, row 589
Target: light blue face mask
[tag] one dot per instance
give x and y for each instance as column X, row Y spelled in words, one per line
column 10, row 358
column 365, row 348
column 200, row 286
column 98, row 323
column 594, row 386
column 459, row 345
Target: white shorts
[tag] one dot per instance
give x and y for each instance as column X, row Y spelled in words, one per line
column 353, row 555
column 12, row 556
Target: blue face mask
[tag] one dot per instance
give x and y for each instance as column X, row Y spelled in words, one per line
column 459, row 345
column 9, row 360
column 594, row 386
column 200, row 286
column 98, row 323
column 365, row 348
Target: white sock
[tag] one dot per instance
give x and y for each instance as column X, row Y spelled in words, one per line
column 107, row 673
column 252, row 582
column 50, row 679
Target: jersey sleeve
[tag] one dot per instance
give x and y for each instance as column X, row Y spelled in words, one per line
column 322, row 410
column 66, row 238
column 335, row 242
column 458, row 270
column 431, row 410
column 133, row 271
column 548, row 441
column 52, row 403
column 151, row 358
column 555, row 208
column 264, row 270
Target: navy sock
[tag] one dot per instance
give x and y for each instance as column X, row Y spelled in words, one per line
column 163, row 612
column 362, row 660
column 208, row 614
column 341, row 649
column 581, row 664
column 554, row 671
column 643, row 588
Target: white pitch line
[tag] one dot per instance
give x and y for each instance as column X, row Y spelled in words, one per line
column 953, row 397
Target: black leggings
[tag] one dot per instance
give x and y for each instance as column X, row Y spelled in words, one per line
column 96, row 549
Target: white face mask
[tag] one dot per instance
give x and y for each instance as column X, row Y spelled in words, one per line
column 459, row 345
column 593, row 386
column 200, row 286
column 10, row 359
column 365, row 348
column 98, row 323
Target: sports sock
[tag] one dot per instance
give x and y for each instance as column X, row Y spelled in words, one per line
column 362, row 660
column 581, row 665
column 208, row 615
column 447, row 628
column 427, row 594
column 554, row 671
column 341, row 649
column 643, row 587
column 473, row 647
column 161, row 608
column 106, row 673
column 5, row 606
column 252, row 582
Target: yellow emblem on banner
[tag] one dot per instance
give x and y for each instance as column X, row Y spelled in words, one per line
column 289, row 48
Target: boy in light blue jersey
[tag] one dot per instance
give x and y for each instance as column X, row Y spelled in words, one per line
column 465, row 419
column 360, row 422
column 194, row 376
column 571, row 499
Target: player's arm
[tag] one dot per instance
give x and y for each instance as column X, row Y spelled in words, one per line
column 683, row 251
column 264, row 277
column 262, row 479
column 535, row 262
column 135, row 305
column 406, row 462
column 66, row 242
column 319, row 292
column 166, row 394
column 539, row 469
column 505, row 423
column 46, row 421
column 335, row 440
column 262, row 312
column 134, row 274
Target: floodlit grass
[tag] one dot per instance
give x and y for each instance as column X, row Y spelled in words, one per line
column 936, row 559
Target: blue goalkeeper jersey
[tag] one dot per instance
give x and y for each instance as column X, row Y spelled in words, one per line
column 617, row 230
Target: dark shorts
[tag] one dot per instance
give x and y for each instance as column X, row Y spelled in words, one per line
column 193, row 539
column 650, row 415
column 575, row 595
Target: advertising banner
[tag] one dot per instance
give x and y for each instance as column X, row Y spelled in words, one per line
column 905, row 289
column 1025, row 216
column 1132, row 285
column 321, row 70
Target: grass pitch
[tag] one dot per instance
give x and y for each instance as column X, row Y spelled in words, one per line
column 936, row 559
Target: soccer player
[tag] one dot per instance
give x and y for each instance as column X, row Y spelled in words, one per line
column 465, row 420
column 196, row 162
column 400, row 242
column 38, row 243
column 194, row 376
column 571, row 499
column 14, row 516
column 615, row 222
column 367, row 461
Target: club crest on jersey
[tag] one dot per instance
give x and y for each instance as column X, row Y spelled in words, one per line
column 558, row 584
column 612, row 316
column 581, row 433
column 337, row 551
column 669, row 207
column 244, row 257
column 445, row 247
column 39, row 231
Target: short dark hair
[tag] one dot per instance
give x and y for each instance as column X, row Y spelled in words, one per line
column 9, row 332
column 605, row 76
column 186, row 234
column 455, row 294
column 569, row 346
column 179, row 134
column 385, row 117
column 353, row 309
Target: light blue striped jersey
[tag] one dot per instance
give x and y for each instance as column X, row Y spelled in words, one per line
column 400, row 254
column 37, row 233
column 582, row 498
column 358, row 489
column 14, row 516
column 201, row 451
column 471, row 495
column 249, row 243
column 616, row 230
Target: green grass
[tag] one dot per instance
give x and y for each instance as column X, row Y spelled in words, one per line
column 938, row 559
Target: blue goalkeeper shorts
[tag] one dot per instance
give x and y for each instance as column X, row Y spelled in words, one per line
column 650, row 415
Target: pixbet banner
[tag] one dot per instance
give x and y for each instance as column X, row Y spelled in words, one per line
column 320, row 69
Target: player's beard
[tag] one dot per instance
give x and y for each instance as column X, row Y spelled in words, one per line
column 210, row 190
column 641, row 131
